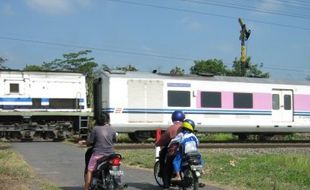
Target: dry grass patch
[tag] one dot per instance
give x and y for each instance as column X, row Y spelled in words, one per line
column 16, row 174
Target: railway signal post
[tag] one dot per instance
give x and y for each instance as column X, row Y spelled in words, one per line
column 244, row 36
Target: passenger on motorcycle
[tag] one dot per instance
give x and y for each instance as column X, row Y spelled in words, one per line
column 187, row 142
column 102, row 138
column 165, row 159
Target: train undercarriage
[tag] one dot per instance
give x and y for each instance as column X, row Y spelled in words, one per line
column 42, row 128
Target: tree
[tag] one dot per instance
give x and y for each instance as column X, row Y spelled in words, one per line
column 100, row 68
column 217, row 67
column 127, row 68
column 213, row 66
column 253, row 70
column 33, row 68
column 177, row 71
column 73, row 62
column 2, row 61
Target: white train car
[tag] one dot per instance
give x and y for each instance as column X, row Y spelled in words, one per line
column 139, row 103
column 49, row 105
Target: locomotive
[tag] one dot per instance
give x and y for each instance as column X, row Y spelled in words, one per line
column 42, row 105
column 141, row 102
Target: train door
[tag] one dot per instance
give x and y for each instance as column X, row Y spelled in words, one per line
column 145, row 100
column 282, row 105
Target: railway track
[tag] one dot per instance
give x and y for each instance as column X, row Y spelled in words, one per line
column 305, row 144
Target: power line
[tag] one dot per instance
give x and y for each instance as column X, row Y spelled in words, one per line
column 128, row 52
column 246, row 8
column 208, row 14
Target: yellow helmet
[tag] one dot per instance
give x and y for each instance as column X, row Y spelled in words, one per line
column 189, row 124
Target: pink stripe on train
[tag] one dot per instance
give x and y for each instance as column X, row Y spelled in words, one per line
column 301, row 102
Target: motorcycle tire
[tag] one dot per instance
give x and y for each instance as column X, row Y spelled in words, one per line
column 158, row 179
column 110, row 182
column 189, row 179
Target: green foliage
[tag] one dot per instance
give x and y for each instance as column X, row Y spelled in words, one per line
column 253, row 70
column 216, row 137
column 143, row 158
column 127, row 68
column 73, row 62
column 33, row 68
column 217, row 67
column 214, row 66
column 177, row 71
column 262, row 171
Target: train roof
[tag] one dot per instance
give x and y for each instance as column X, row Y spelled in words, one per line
column 205, row 77
column 39, row 72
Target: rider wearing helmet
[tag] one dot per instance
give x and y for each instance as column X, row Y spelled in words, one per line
column 189, row 125
column 177, row 118
column 188, row 143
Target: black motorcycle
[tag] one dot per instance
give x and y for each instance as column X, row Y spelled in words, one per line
column 190, row 172
column 107, row 174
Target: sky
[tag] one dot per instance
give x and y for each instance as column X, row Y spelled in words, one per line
column 158, row 34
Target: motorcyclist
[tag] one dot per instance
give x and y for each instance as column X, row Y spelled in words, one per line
column 165, row 159
column 102, row 138
column 188, row 143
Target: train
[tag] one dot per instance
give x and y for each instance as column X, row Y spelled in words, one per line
column 139, row 103
column 53, row 105
column 42, row 105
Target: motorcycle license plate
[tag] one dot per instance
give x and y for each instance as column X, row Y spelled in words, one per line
column 196, row 167
column 116, row 172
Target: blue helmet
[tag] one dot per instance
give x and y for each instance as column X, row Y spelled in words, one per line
column 189, row 124
column 177, row 116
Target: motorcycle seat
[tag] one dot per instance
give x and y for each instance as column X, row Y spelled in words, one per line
column 102, row 161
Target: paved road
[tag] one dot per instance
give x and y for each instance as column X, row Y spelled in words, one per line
column 63, row 165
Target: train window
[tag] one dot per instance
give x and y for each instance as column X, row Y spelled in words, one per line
column 14, row 88
column 287, row 102
column 179, row 98
column 63, row 103
column 211, row 100
column 36, row 103
column 275, row 101
column 243, row 100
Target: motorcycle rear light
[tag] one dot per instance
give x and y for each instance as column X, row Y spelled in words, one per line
column 116, row 162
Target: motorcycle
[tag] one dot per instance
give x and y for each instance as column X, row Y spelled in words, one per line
column 190, row 172
column 107, row 174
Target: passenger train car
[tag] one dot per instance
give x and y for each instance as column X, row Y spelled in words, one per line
column 45, row 105
column 139, row 103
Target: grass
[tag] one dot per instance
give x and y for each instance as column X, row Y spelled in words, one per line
column 266, row 171
column 216, row 137
column 263, row 171
column 16, row 174
column 234, row 169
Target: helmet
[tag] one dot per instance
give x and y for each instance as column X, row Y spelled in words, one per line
column 189, row 124
column 177, row 116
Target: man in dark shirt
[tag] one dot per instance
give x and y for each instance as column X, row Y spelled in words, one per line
column 102, row 138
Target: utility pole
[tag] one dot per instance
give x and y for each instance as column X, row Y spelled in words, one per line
column 244, row 36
